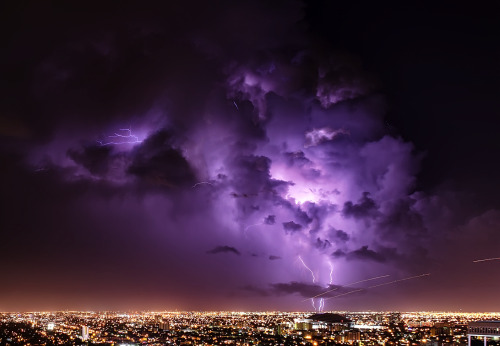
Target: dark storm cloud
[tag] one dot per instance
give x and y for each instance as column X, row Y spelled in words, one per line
column 96, row 159
column 157, row 162
column 119, row 63
column 363, row 253
column 340, row 80
column 255, row 291
column 223, row 249
column 270, row 220
column 291, row 226
column 338, row 253
column 245, row 125
column 297, row 158
column 322, row 244
column 251, row 173
column 339, row 235
column 303, row 289
column 402, row 215
column 366, row 207
column 317, row 214
column 308, row 290
column 383, row 254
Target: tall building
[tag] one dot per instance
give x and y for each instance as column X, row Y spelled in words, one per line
column 164, row 325
column 85, row 333
column 483, row 329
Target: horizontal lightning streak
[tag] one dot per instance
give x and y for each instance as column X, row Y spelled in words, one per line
column 386, row 283
column 352, row 283
column 127, row 138
column 344, row 294
column 393, row 282
column 486, row 259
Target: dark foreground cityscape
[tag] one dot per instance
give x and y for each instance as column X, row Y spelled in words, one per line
column 249, row 328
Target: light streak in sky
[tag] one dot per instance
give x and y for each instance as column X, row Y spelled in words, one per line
column 384, row 284
column 393, row 282
column 331, row 273
column 234, row 102
column 201, row 183
column 486, row 259
column 305, row 266
column 126, row 137
column 352, row 283
column 344, row 294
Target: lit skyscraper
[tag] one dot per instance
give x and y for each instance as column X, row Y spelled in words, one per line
column 85, row 333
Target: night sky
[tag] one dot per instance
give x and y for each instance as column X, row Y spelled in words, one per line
column 249, row 155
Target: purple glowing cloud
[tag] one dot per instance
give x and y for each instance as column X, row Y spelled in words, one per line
column 207, row 151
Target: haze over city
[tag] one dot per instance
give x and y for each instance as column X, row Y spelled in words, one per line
column 249, row 155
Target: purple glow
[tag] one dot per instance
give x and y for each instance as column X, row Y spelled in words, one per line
column 235, row 143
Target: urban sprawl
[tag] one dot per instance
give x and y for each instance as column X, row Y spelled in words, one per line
column 247, row 328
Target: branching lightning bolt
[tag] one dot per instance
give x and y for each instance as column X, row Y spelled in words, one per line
column 305, row 266
column 313, row 278
column 126, row 137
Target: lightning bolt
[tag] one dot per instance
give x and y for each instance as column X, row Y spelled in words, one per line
column 321, row 304
column 331, row 273
column 313, row 277
column 125, row 137
column 305, row 266
column 322, row 301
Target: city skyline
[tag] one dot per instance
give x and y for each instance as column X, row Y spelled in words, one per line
column 294, row 155
column 247, row 328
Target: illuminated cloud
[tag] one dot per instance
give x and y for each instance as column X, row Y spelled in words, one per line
column 141, row 145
